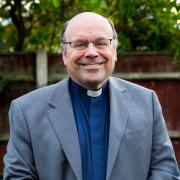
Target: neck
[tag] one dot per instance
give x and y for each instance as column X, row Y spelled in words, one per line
column 93, row 86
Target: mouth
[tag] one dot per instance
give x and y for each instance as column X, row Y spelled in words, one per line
column 91, row 64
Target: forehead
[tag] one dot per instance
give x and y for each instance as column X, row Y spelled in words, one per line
column 88, row 25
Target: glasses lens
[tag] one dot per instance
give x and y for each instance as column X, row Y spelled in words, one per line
column 79, row 44
column 102, row 43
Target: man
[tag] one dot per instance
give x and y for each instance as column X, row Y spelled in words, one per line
column 89, row 126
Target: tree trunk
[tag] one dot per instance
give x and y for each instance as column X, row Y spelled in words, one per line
column 17, row 19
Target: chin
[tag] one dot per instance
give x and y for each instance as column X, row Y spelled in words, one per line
column 93, row 80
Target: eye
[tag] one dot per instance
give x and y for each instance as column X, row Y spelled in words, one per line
column 78, row 44
column 101, row 42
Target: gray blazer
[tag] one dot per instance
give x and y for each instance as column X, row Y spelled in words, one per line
column 44, row 142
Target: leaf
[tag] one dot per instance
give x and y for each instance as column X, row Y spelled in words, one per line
column 56, row 3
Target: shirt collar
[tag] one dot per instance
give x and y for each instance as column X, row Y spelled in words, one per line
column 94, row 93
column 81, row 90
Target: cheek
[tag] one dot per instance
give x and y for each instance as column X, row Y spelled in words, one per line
column 109, row 55
column 73, row 57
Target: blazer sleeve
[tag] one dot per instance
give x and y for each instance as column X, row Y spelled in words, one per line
column 18, row 161
column 163, row 162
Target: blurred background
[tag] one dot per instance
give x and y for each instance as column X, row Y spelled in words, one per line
column 148, row 50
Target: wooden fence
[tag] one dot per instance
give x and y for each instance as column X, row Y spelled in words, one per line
column 23, row 72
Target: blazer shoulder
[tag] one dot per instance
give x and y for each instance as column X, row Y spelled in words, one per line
column 134, row 92
column 38, row 95
column 130, row 86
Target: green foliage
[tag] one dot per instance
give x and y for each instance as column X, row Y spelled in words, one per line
column 141, row 25
column 146, row 25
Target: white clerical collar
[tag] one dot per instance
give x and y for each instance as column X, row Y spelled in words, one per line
column 94, row 93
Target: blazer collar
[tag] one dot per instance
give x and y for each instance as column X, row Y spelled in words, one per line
column 118, row 121
column 63, row 122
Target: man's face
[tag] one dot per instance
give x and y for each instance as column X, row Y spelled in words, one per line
column 89, row 67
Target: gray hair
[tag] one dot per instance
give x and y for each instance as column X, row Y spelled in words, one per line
column 63, row 39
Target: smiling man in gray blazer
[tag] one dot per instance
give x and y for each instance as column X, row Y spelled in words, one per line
column 89, row 126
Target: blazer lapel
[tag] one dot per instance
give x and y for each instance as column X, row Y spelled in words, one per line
column 118, row 122
column 63, row 122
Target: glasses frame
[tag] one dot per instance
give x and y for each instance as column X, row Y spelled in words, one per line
column 70, row 43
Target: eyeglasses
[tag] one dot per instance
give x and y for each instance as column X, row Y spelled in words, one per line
column 101, row 43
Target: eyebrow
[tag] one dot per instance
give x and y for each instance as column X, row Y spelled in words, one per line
column 98, row 38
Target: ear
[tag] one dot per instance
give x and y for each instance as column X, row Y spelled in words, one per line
column 115, row 58
column 64, row 57
column 115, row 55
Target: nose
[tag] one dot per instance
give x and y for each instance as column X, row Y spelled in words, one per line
column 91, row 51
